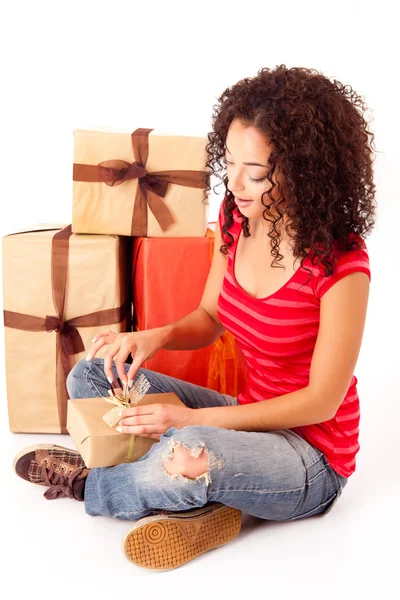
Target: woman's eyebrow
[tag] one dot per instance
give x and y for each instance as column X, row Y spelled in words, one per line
column 251, row 164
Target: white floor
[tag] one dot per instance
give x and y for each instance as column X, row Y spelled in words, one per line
column 54, row 547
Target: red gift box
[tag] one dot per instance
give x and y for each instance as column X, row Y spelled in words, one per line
column 169, row 276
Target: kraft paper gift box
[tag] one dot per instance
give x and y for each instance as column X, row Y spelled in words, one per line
column 101, row 445
column 59, row 290
column 168, row 278
column 146, row 183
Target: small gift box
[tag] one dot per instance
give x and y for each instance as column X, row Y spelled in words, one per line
column 92, row 426
column 146, row 183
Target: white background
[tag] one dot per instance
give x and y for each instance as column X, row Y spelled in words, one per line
column 82, row 64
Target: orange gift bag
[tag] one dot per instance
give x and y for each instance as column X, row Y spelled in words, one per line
column 169, row 276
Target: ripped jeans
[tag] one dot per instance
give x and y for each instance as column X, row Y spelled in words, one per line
column 274, row 475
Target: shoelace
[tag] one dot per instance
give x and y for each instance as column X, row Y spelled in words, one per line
column 59, row 484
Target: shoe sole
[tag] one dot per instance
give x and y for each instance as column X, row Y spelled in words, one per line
column 38, row 447
column 164, row 542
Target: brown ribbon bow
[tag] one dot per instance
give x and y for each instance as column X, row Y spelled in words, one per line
column 152, row 186
column 68, row 339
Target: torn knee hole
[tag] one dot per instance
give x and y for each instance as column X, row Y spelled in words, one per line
column 188, row 463
column 180, row 464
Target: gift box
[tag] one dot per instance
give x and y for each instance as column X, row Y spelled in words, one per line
column 144, row 183
column 59, row 290
column 168, row 278
column 101, row 445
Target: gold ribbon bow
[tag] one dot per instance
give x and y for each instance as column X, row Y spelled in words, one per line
column 125, row 400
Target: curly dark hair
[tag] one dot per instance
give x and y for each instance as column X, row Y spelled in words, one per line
column 319, row 139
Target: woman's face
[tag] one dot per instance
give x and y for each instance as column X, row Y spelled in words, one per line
column 247, row 155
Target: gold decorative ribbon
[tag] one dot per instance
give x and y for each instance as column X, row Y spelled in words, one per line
column 224, row 349
column 126, row 400
column 68, row 339
column 151, row 188
column 111, row 418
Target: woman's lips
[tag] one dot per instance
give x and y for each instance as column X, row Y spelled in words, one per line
column 241, row 202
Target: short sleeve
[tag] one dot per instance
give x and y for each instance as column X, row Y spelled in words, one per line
column 347, row 262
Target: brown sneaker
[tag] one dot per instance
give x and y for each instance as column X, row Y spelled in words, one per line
column 61, row 469
column 170, row 539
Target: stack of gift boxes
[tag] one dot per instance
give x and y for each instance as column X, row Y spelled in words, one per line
column 136, row 256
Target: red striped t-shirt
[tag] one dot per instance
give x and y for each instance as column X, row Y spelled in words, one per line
column 277, row 335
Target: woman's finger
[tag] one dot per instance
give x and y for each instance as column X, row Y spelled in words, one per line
column 105, row 333
column 119, row 361
column 137, row 361
column 146, row 419
column 99, row 340
column 140, row 430
column 95, row 348
column 137, row 411
column 108, row 359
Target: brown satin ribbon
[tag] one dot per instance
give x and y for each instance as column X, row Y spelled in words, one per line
column 68, row 339
column 151, row 188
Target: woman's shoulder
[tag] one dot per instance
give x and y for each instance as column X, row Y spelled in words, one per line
column 347, row 261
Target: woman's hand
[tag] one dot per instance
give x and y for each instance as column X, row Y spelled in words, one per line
column 153, row 420
column 141, row 345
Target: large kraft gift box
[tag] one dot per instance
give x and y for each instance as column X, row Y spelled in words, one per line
column 101, row 445
column 168, row 278
column 145, row 183
column 59, row 290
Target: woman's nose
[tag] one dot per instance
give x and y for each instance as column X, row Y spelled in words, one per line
column 235, row 184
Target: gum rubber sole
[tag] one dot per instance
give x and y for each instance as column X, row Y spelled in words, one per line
column 164, row 542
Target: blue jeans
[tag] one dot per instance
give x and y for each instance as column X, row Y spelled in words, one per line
column 274, row 475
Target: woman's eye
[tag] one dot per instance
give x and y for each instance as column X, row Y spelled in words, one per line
column 257, row 180
column 250, row 178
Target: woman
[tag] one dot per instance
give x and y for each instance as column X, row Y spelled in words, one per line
column 298, row 187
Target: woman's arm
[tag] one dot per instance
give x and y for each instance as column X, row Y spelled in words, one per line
column 282, row 412
column 343, row 312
